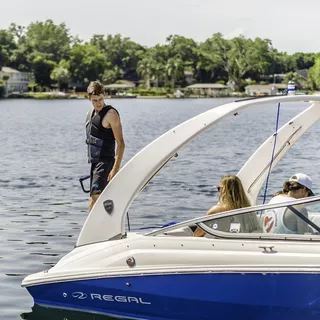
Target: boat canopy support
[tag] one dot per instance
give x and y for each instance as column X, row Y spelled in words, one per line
column 107, row 218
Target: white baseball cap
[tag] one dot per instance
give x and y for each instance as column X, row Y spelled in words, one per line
column 304, row 180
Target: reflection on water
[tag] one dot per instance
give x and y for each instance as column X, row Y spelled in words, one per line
column 43, row 313
column 43, row 154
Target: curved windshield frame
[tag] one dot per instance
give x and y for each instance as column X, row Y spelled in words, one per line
column 203, row 222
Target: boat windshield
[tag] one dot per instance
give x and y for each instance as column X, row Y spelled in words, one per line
column 283, row 219
column 292, row 219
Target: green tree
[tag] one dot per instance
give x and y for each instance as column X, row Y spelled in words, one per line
column 184, row 48
column 298, row 80
column 41, row 46
column 87, row 63
column 160, row 56
column 213, row 58
column 304, row 60
column 7, row 46
column 145, row 70
column 314, row 75
column 260, row 53
column 42, row 69
column 284, row 63
column 237, row 57
column 158, row 73
column 120, row 52
column 245, row 56
column 60, row 74
column 18, row 32
column 51, row 40
column 32, row 83
column 20, row 56
column 175, row 69
column 111, row 75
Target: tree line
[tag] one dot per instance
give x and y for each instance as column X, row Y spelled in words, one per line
column 56, row 58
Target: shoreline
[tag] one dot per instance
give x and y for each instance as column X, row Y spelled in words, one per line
column 140, row 98
column 73, row 97
column 51, row 96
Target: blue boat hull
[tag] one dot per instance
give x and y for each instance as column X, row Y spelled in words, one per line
column 190, row 296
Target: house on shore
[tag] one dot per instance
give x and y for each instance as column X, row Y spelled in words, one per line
column 120, row 90
column 16, row 81
column 208, row 89
column 271, row 89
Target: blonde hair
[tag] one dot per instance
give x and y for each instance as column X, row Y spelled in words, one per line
column 95, row 88
column 232, row 193
column 233, row 196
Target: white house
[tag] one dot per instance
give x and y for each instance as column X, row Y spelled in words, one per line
column 208, row 89
column 265, row 89
column 17, row 81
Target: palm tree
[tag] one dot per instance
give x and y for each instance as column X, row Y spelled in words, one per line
column 175, row 68
column 144, row 69
column 158, row 73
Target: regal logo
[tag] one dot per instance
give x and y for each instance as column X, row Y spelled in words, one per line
column 79, row 295
column 108, row 298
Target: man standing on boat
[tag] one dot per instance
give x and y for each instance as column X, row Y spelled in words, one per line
column 103, row 127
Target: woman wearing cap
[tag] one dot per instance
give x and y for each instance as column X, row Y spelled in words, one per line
column 283, row 220
column 232, row 196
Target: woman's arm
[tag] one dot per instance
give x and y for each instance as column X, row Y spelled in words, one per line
column 215, row 209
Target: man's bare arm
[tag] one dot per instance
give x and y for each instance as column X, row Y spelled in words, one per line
column 113, row 119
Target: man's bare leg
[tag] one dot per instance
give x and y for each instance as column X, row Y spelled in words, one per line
column 93, row 200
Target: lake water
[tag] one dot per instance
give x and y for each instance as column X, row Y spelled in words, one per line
column 43, row 154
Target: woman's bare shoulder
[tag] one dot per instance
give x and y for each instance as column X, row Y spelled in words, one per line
column 217, row 208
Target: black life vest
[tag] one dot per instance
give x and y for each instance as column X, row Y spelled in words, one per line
column 100, row 140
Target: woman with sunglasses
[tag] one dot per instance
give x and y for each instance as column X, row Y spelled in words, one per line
column 232, row 196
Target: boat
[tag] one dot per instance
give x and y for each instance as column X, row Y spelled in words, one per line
column 166, row 273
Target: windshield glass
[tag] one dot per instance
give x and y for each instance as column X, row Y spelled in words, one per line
column 297, row 218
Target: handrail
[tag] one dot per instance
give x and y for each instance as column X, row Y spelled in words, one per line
column 258, row 236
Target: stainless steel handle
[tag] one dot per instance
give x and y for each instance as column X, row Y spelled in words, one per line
column 268, row 249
